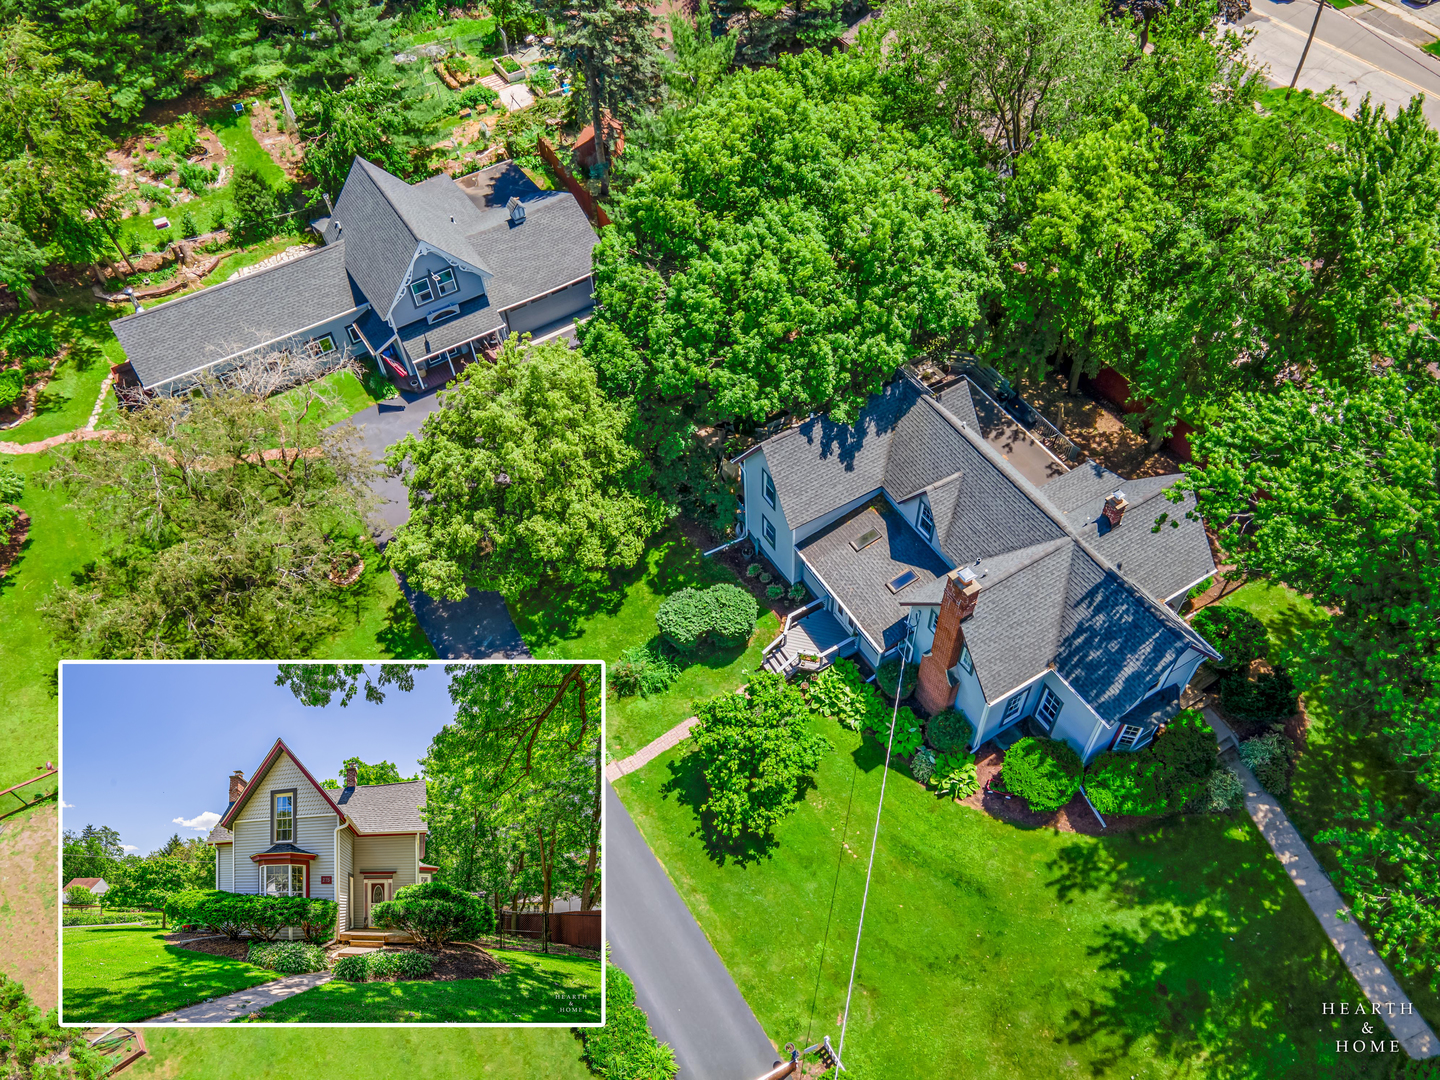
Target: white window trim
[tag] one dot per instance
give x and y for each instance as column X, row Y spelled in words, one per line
column 1047, row 695
column 1121, row 744
column 316, row 344
column 422, row 283
column 441, row 314
column 353, row 333
column 275, row 815
column 265, row 872
column 441, row 285
column 967, row 662
column 767, row 531
column 934, row 618
column 1017, row 700
column 925, row 521
column 767, row 488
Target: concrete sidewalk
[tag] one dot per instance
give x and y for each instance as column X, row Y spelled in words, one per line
column 1379, row 986
column 222, row 1010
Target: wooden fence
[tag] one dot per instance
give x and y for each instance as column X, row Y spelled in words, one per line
column 578, row 928
column 594, row 211
column 6, row 810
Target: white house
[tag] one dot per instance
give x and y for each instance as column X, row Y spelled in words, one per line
column 95, row 884
column 1051, row 603
column 284, row 834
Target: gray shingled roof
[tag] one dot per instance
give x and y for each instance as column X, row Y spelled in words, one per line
column 550, row 248
column 375, row 808
column 858, row 578
column 477, row 316
column 1054, row 589
column 206, row 327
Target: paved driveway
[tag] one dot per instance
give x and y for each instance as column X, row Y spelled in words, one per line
column 474, row 628
column 680, row 982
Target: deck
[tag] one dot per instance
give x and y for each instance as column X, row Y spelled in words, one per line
column 814, row 635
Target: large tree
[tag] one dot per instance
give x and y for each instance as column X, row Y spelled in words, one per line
column 522, row 475
column 373, row 117
column 701, row 58
column 219, row 517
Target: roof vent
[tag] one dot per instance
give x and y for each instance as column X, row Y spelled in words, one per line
column 517, row 210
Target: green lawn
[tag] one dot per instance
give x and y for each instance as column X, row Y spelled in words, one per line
column 65, row 404
column 123, row 974
column 275, row 1053
column 538, row 989
column 1180, row 950
column 600, row 623
column 1304, row 105
column 349, row 393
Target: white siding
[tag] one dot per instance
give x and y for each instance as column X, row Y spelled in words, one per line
column 782, row 554
column 387, row 853
column 224, row 859
column 344, row 868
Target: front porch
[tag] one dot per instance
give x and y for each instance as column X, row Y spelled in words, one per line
column 810, row 640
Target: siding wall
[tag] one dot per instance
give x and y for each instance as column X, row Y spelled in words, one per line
column 387, row 853
column 344, row 868
column 314, row 828
column 782, row 554
column 224, row 859
column 407, row 311
column 547, row 309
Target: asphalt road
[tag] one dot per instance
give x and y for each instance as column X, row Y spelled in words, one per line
column 1358, row 50
column 680, row 982
column 471, row 629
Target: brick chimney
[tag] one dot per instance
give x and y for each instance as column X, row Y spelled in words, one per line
column 237, row 785
column 1115, row 507
column 350, row 775
column 933, row 688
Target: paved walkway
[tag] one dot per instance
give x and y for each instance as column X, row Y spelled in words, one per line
column 1380, row 988
column 222, row 1010
column 650, row 751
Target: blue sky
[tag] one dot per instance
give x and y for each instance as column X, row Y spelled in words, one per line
column 147, row 749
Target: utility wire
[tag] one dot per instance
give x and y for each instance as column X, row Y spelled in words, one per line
column 875, row 837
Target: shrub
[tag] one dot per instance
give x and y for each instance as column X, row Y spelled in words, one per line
column 287, row 957
column 317, row 920
column 956, row 776
column 766, row 577
column 401, row 964
column 624, row 1049
column 1237, row 635
column 27, row 340
column 1043, row 772
column 721, row 613
column 34, row 365
column 158, row 195
column 476, row 97
column 1222, row 792
column 1161, row 778
column 262, row 917
column 196, row 178
column 644, row 670
column 12, row 385
column 253, row 199
column 949, row 732
column 887, row 676
column 434, row 912
column 753, row 570
column 1267, row 699
column 922, row 765
column 352, row 968
column 1269, row 756
column 775, row 592
column 798, row 591
column 509, row 65
column 542, row 80
column 839, row 692
column 908, row 733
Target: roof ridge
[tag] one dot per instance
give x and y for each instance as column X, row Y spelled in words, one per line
column 1037, row 553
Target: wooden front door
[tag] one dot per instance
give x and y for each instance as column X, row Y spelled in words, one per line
column 375, row 894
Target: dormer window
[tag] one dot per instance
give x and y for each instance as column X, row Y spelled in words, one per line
column 924, row 522
column 422, row 291
column 442, row 314
column 445, row 282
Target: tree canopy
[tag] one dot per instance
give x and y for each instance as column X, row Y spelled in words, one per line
column 374, row 118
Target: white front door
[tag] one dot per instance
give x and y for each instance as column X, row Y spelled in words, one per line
column 376, row 892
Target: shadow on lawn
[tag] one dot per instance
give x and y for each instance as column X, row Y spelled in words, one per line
column 185, row 978
column 1221, row 967
column 687, row 783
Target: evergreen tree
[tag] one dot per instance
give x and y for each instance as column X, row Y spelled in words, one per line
column 702, row 58
column 371, row 118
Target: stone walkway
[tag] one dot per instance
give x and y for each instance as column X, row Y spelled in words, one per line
column 222, row 1010
column 1387, row 1000
column 650, row 751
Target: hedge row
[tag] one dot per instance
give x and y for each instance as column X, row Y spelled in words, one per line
column 381, row 965
column 287, row 957
column 624, row 1049
column 1162, row 778
column 262, row 917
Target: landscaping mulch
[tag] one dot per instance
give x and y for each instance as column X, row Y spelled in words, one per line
column 11, row 551
column 521, row 944
column 1074, row 817
column 213, row 944
column 465, row 962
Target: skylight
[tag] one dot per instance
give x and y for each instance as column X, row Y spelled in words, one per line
column 907, row 578
column 865, row 539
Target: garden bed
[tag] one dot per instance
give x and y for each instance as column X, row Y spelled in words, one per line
column 214, row 944
column 1074, row 817
column 461, row 961
column 11, row 551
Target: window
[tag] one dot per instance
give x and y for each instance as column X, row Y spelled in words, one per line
column 353, row 333
column 284, row 817
column 966, row 662
column 421, row 291
column 934, row 618
column 767, row 488
column 282, row 880
column 767, row 530
column 1012, row 707
column 1049, row 708
column 1128, row 736
column 323, row 345
column 924, row 522
column 442, row 314
column 445, row 282
column 897, row 583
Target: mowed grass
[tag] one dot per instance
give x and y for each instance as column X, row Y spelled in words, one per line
column 123, row 974
column 991, row 951
column 537, row 989
column 65, row 404
column 601, row 622
column 272, row 1053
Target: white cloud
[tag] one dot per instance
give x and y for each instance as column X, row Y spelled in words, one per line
column 205, row 822
column 129, row 848
column 67, row 805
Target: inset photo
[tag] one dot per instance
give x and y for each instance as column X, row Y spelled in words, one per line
column 331, row 843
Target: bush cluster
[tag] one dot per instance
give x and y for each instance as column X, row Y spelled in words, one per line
column 888, row 678
column 839, row 692
column 922, row 765
column 1043, row 772
column 624, row 1049
column 473, row 97
column 1161, row 778
column 1237, row 635
column 643, row 670
column 29, row 341
column 262, row 917
column 956, row 776
column 383, row 964
column 949, row 732
column 287, row 957
column 1222, row 793
column 12, row 385
column 721, row 614
column 1267, row 699
column 1269, row 757
column 435, row 912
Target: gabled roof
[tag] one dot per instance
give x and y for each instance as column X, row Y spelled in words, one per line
column 549, row 249
column 84, row 883
column 385, row 808
column 187, row 334
column 233, row 810
column 476, row 316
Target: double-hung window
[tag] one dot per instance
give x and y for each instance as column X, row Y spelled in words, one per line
column 446, row 283
column 353, row 333
column 282, row 880
column 422, row 291
column 1048, row 711
column 934, row 618
column 966, row 661
column 1012, row 707
column 284, row 817
column 767, row 488
column 323, row 345
column 924, row 522
column 767, row 530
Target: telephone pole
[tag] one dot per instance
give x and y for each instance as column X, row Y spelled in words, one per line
column 1306, row 51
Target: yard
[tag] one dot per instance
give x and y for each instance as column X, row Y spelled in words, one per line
column 538, row 989
column 602, row 622
column 1177, row 950
column 124, row 974
column 74, row 318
